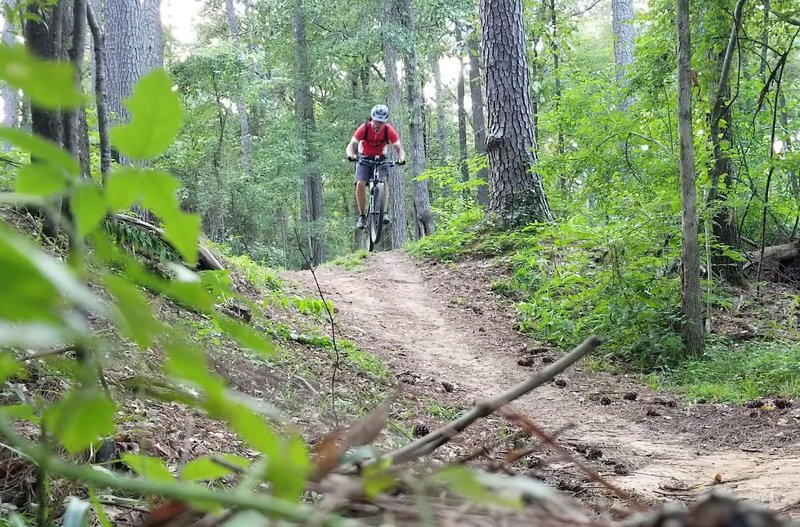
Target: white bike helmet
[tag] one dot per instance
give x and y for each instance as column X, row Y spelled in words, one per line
column 380, row 113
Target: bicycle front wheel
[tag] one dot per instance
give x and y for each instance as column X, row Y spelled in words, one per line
column 376, row 214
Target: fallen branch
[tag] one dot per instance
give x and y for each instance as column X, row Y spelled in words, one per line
column 431, row 442
column 530, row 427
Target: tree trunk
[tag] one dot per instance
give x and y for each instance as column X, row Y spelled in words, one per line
column 73, row 131
column 441, row 114
column 517, row 191
column 419, row 189
column 241, row 103
column 691, row 303
column 100, row 91
column 43, row 38
column 478, row 120
column 397, row 186
column 125, row 56
column 557, row 82
column 153, row 40
column 462, row 113
column 765, row 40
column 624, row 41
column 304, row 112
column 10, row 96
column 134, row 46
column 724, row 221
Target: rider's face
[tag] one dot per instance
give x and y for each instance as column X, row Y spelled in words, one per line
column 377, row 125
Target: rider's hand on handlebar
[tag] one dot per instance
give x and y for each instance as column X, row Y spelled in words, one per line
column 352, row 158
column 401, row 161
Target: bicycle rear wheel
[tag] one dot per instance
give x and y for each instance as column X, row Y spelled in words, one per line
column 375, row 219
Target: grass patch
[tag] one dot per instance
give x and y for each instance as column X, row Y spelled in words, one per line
column 362, row 360
column 259, row 275
column 351, row 261
column 442, row 411
column 737, row 373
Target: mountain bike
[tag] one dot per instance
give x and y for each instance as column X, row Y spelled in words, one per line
column 376, row 211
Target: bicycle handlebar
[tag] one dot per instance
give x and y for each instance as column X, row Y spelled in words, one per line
column 375, row 162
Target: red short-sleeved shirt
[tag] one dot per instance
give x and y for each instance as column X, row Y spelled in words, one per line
column 373, row 143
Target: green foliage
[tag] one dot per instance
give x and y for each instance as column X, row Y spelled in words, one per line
column 351, row 261
column 156, row 116
column 737, row 372
column 443, row 412
column 49, row 84
column 49, row 303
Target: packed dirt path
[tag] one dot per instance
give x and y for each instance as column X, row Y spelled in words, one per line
column 412, row 316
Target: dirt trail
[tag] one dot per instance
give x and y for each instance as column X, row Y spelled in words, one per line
column 393, row 309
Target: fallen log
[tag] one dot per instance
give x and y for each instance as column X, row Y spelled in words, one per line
column 786, row 251
column 206, row 261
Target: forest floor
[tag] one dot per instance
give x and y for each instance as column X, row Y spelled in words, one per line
column 447, row 341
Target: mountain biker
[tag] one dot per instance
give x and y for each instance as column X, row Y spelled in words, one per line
column 371, row 140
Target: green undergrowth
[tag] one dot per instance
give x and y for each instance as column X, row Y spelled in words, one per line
column 736, row 372
column 574, row 279
column 619, row 280
column 351, row 262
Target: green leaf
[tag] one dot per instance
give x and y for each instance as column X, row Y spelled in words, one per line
column 245, row 336
column 38, row 179
column 248, row 519
column 182, row 230
column 205, row 468
column 250, row 427
column 80, row 418
column 88, row 208
column 465, row 482
column 148, row 467
column 9, row 366
column 189, row 363
column 76, row 513
column 288, row 468
column 98, row 509
column 49, row 84
column 156, row 116
column 40, row 149
column 19, row 411
column 24, row 255
column 137, row 320
column 123, row 188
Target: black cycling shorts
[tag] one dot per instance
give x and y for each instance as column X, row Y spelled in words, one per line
column 364, row 171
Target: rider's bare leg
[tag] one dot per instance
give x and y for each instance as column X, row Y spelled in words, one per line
column 361, row 197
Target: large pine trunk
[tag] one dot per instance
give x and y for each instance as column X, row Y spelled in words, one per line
column 304, row 112
column 624, row 41
column 691, row 304
column 419, row 189
column 397, row 186
column 517, row 191
column 478, row 119
column 241, row 103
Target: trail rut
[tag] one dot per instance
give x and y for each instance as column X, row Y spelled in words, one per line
column 390, row 308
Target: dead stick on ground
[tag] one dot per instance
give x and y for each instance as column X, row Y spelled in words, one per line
column 531, row 428
column 428, row 444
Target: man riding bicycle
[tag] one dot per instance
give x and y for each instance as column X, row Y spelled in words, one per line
column 371, row 139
